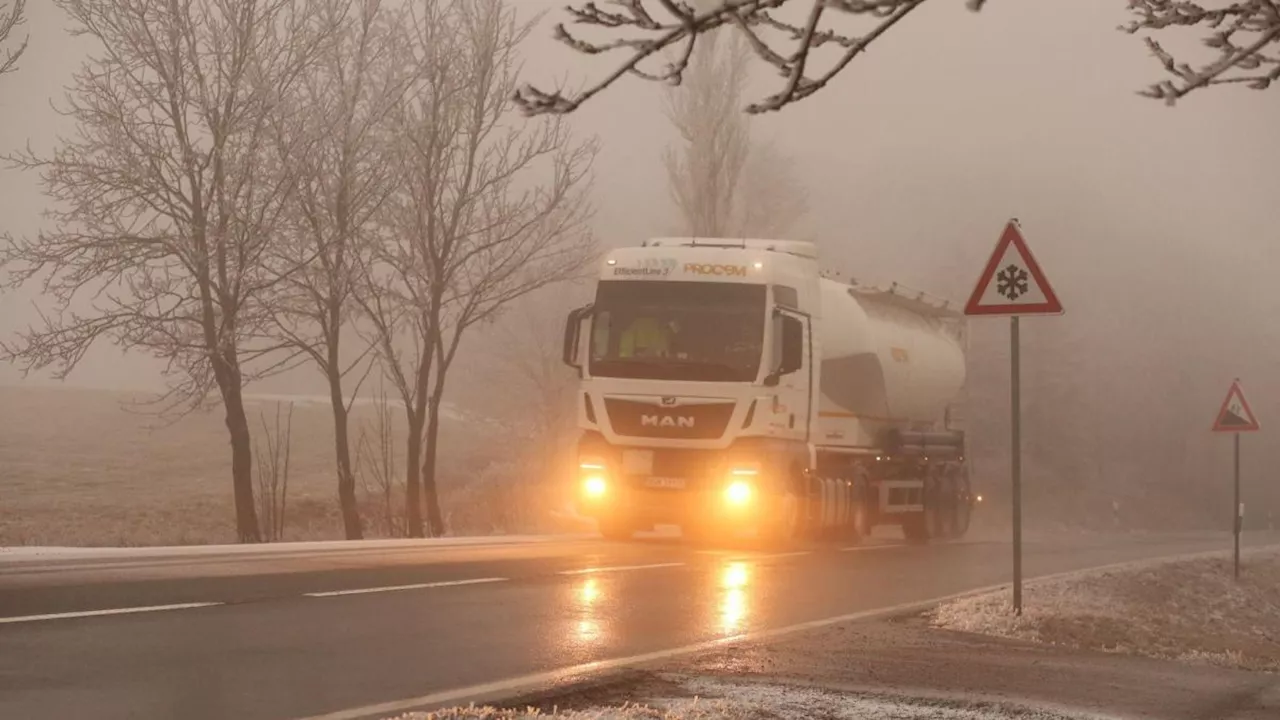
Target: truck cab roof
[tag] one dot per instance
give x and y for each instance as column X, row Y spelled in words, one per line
column 800, row 248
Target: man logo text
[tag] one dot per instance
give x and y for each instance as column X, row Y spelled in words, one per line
column 666, row 421
column 709, row 269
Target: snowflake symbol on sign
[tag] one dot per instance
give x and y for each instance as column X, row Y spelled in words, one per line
column 1012, row 282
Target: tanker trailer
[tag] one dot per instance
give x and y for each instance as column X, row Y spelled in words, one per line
column 892, row 369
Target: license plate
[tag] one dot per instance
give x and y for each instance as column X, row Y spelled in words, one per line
column 665, row 482
column 637, row 462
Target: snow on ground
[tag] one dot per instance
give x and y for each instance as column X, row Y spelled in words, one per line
column 447, row 410
column 718, row 700
column 18, row 554
column 1183, row 609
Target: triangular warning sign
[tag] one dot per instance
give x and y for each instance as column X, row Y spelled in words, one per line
column 1235, row 415
column 1012, row 282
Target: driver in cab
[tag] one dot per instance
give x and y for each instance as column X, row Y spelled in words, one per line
column 648, row 337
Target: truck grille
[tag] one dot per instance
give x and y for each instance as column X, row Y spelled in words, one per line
column 652, row 420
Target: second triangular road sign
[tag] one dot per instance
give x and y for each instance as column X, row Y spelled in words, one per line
column 1235, row 415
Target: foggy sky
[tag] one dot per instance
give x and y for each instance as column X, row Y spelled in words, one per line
column 914, row 158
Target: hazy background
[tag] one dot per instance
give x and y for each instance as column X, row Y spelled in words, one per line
column 1158, row 228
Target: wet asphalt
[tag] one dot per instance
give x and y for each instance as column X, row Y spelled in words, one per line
column 347, row 632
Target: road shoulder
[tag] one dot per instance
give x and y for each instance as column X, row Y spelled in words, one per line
column 907, row 658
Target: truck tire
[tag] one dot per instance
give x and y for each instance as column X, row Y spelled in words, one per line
column 787, row 525
column 963, row 509
column 859, row 526
column 612, row 528
column 698, row 533
column 916, row 529
column 942, row 514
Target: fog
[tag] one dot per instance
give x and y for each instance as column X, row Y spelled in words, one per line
column 1157, row 226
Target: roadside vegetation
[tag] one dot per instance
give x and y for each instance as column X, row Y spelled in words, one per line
column 1187, row 610
column 253, row 186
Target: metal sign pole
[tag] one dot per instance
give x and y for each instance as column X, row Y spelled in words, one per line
column 1013, row 284
column 1236, row 417
column 1238, row 520
column 1016, row 465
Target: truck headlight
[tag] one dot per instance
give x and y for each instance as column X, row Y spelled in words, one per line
column 594, row 486
column 594, row 473
column 738, row 492
column 740, row 485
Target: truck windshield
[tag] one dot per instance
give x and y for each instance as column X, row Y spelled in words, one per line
column 655, row 330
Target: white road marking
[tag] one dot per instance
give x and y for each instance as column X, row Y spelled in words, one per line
column 765, row 556
column 416, row 586
column 525, row 682
column 864, row 548
column 618, row 568
column 113, row 611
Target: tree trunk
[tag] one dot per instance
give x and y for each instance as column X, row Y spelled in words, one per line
column 346, row 478
column 228, row 377
column 435, row 519
column 412, row 491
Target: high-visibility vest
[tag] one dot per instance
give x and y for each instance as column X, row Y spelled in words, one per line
column 645, row 334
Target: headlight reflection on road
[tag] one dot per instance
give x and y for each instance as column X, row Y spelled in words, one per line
column 734, row 579
column 587, row 630
column 590, row 591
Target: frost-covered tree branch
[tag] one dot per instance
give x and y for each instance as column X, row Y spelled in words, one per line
column 1245, row 35
column 11, row 16
column 648, row 28
column 657, row 39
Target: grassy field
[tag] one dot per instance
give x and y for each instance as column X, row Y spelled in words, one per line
column 77, row 467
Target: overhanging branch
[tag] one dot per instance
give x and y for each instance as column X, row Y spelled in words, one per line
column 1244, row 33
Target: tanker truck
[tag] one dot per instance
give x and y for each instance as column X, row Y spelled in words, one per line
column 729, row 386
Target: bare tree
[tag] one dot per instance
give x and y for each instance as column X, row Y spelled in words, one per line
column 11, row 16
column 334, row 134
column 705, row 168
column 658, row 25
column 272, row 467
column 164, row 204
column 722, row 183
column 772, row 197
column 491, row 209
column 543, row 393
column 376, row 462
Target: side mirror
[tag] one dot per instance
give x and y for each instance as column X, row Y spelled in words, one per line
column 788, row 347
column 572, row 331
column 792, row 345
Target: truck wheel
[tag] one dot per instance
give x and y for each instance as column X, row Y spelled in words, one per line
column 921, row 527
column 916, row 529
column 698, row 533
column 963, row 509
column 616, row 529
column 859, row 526
column 943, row 513
column 785, row 527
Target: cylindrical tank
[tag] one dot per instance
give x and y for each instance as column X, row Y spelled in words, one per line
column 885, row 360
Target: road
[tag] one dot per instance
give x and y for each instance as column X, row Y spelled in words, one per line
column 344, row 632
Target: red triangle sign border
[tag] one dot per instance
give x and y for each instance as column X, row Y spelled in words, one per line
column 1012, row 235
column 1251, row 423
